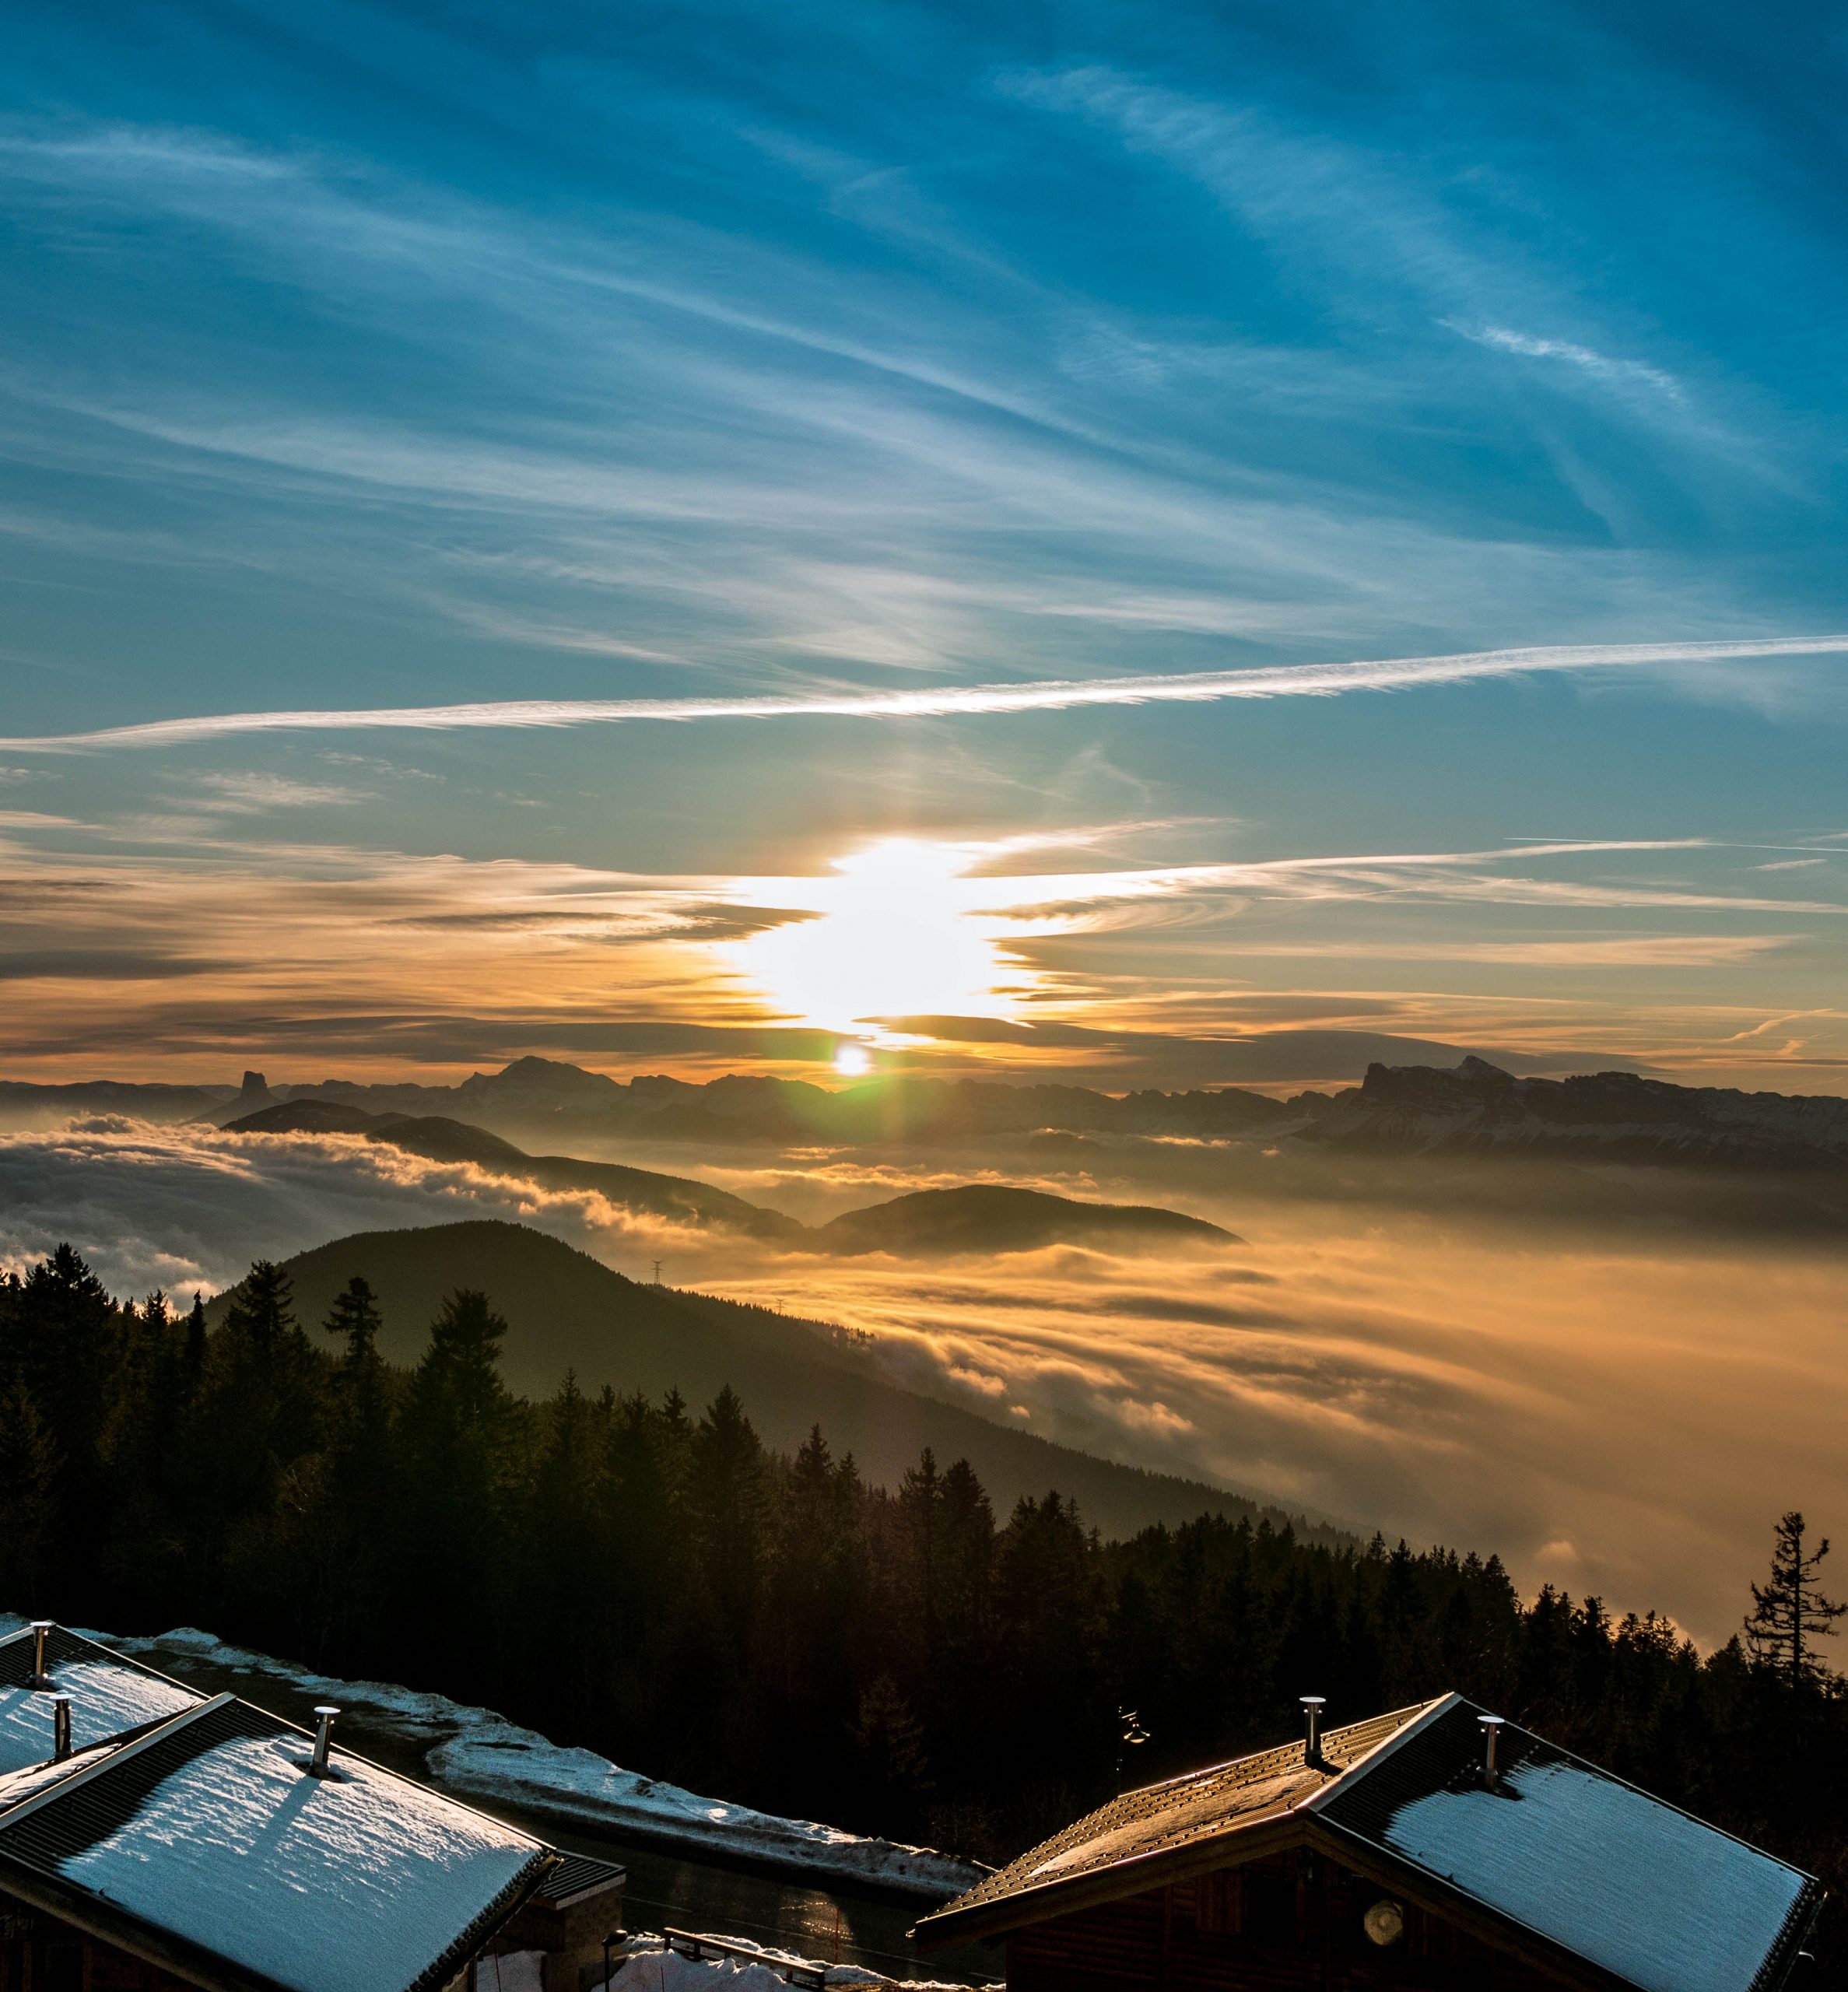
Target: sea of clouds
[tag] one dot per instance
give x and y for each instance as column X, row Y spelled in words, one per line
column 1623, row 1420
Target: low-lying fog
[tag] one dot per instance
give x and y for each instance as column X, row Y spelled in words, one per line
column 1617, row 1416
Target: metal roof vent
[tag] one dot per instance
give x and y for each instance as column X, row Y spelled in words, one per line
column 1312, row 1706
column 1492, row 1728
column 41, row 1632
column 60, row 1727
column 323, row 1740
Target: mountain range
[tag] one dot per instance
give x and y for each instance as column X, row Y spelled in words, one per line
column 973, row 1217
column 535, row 1094
column 567, row 1314
column 1474, row 1107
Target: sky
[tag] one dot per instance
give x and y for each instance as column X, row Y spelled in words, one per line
column 945, row 537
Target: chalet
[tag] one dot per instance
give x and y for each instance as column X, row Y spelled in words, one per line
column 1434, row 1847
column 152, row 1837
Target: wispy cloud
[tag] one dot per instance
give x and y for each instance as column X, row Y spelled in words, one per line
column 1199, row 687
column 255, row 794
column 1602, row 365
column 367, row 962
column 1663, row 951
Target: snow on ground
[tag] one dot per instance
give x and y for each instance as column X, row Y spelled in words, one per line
column 512, row 1971
column 649, row 1964
column 474, row 1751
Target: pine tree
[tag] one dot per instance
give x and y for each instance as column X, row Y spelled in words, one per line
column 461, row 1428
column 63, row 1339
column 730, row 1510
column 261, row 1313
column 1789, row 1610
column 355, row 1316
column 265, row 1390
column 459, row 1381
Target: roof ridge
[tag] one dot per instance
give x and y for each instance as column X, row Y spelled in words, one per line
column 112, row 1759
column 1411, row 1709
column 1212, row 1786
column 1368, row 1761
column 121, row 1659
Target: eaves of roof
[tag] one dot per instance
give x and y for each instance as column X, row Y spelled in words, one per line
column 576, row 1878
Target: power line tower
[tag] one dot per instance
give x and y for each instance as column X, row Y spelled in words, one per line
column 658, row 1272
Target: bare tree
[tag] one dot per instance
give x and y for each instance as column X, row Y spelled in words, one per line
column 1789, row 1610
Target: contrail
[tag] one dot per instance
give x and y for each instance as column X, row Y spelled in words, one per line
column 1287, row 681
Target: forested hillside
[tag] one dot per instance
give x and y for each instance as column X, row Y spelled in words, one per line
column 568, row 1312
column 645, row 1577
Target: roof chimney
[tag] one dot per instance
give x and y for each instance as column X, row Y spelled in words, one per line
column 1492, row 1728
column 60, row 1727
column 323, row 1739
column 1312, row 1706
column 41, row 1632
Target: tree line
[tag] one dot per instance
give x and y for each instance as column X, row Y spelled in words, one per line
column 650, row 1580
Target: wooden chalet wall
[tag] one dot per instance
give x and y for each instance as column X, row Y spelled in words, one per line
column 40, row 1953
column 1289, row 1923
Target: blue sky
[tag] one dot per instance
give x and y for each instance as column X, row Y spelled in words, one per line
column 366, row 357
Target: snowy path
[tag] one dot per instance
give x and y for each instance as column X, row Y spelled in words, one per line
column 475, row 1753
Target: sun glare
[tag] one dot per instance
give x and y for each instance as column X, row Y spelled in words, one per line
column 894, row 935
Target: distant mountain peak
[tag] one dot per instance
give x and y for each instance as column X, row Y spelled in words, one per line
column 1604, row 1117
column 532, row 1076
column 997, row 1217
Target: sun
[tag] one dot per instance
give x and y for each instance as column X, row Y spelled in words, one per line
column 894, row 935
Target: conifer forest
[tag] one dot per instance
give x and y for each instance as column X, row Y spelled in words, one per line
column 647, row 1580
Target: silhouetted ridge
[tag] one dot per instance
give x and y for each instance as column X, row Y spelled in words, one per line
column 993, row 1217
column 977, row 1217
column 1475, row 1107
column 567, row 1312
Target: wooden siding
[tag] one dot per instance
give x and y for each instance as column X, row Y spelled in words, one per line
column 40, row 1953
column 1288, row 1923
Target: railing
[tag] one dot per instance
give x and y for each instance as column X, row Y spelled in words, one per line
column 812, row 1977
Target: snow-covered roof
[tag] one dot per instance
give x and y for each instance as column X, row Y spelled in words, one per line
column 1560, row 1856
column 108, row 1695
column 1660, row 1900
column 206, row 1843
